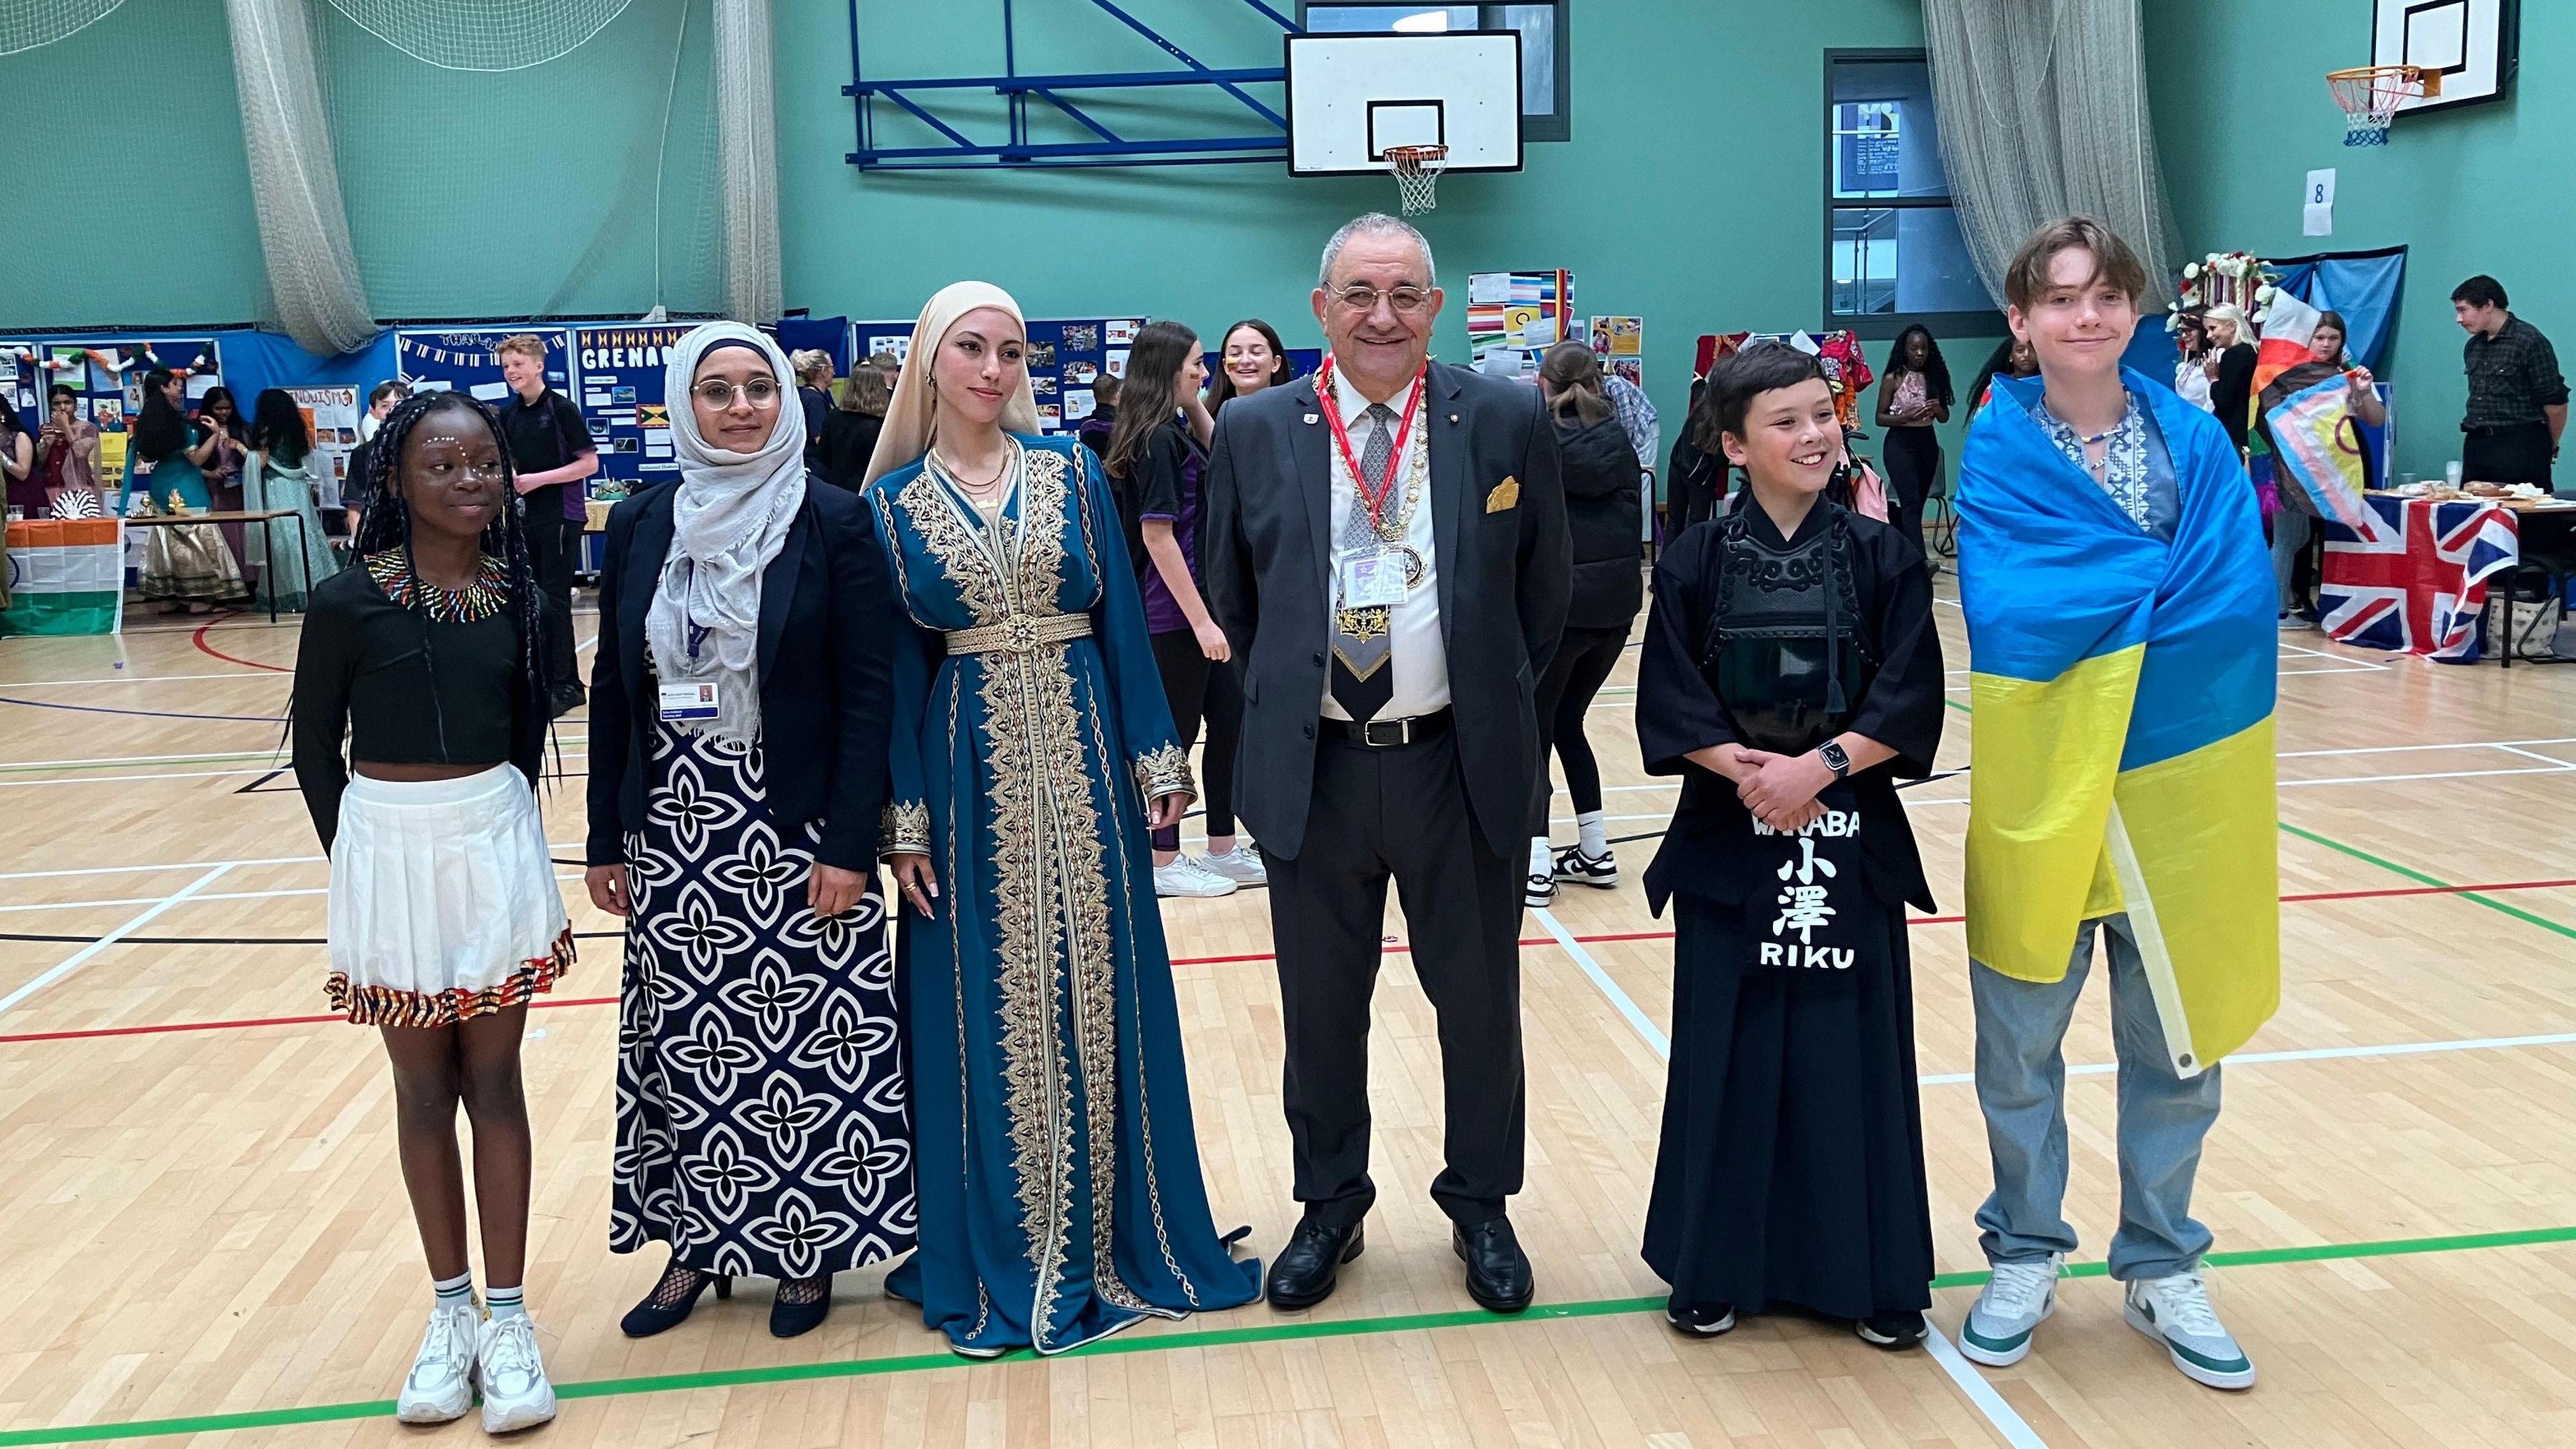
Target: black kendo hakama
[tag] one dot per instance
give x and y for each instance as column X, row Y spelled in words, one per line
column 1791, row 1163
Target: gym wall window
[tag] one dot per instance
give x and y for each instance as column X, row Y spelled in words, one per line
column 1546, row 77
column 1893, row 252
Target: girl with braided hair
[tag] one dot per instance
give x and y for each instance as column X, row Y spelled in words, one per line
column 444, row 917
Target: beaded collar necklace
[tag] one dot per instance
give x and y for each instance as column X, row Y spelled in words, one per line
column 484, row 598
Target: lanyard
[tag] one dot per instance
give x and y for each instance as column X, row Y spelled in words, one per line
column 1374, row 498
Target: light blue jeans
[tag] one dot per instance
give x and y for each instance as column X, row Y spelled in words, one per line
column 2021, row 1085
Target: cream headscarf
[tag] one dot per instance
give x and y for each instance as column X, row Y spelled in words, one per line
column 728, row 520
column 907, row 432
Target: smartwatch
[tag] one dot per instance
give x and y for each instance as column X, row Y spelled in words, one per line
column 1835, row 760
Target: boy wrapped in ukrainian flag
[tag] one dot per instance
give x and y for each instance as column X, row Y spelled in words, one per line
column 2120, row 609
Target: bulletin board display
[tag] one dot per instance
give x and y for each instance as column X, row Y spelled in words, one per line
column 621, row 369
column 1066, row 360
column 463, row 360
column 107, row 372
column 1512, row 317
column 331, row 418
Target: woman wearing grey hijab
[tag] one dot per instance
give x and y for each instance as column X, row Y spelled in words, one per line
column 740, row 711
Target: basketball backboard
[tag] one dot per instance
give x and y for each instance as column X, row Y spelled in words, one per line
column 2468, row 43
column 1350, row 97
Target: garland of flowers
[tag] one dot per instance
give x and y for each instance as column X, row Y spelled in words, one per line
column 2237, row 279
column 483, row 598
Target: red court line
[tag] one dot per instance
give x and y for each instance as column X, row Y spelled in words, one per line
column 1391, row 946
column 199, row 639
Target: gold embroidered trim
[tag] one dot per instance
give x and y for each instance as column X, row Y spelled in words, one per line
column 1019, row 634
column 1165, row 770
column 904, row 829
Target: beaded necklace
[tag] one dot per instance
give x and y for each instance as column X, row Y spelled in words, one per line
column 484, row 598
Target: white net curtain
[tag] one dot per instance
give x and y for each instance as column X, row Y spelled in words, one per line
column 406, row 159
column 2043, row 108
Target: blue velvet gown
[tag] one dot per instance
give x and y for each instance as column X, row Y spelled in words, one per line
column 1061, row 1198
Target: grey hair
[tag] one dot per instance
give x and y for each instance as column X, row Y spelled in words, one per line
column 1376, row 223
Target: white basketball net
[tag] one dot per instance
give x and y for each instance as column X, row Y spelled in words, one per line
column 2370, row 100
column 1417, row 175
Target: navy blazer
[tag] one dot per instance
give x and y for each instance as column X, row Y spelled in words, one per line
column 826, row 674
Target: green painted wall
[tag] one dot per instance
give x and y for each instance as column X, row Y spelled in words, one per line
column 2242, row 116
column 1689, row 194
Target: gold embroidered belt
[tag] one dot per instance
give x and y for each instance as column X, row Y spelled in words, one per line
column 1020, row 634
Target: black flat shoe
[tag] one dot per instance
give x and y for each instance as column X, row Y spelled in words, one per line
column 801, row 1306
column 1306, row 1271
column 1498, row 1272
column 1891, row 1330
column 1700, row 1320
column 672, row 1301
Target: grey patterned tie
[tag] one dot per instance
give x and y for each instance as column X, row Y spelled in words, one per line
column 1363, row 671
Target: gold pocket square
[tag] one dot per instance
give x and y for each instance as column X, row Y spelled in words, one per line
column 1506, row 495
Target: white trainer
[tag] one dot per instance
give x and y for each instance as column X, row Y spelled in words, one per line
column 1186, row 877
column 2175, row 1312
column 516, row 1394
column 2018, row 1296
column 1241, row 865
column 441, row 1386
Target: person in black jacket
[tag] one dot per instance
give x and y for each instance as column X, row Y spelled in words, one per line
column 741, row 716
column 2231, row 372
column 850, row 429
column 1604, row 516
column 423, row 662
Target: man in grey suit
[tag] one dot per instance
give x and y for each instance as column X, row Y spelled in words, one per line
column 1386, row 549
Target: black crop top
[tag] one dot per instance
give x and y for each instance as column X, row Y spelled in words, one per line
column 402, row 688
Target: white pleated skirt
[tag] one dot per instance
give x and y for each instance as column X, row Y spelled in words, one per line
column 443, row 901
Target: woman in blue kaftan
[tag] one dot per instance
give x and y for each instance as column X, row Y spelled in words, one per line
column 1060, row 1190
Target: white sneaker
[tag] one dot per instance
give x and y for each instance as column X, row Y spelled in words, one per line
column 2292, row 623
column 1241, row 865
column 2175, row 1312
column 441, row 1386
column 2017, row 1297
column 1185, row 876
column 515, row 1392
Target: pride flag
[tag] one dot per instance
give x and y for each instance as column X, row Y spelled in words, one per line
column 2123, row 689
column 2321, row 451
column 66, row 576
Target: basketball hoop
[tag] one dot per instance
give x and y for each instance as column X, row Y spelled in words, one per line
column 2371, row 94
column 1417, row 175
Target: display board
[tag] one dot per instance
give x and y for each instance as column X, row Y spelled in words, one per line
column 463, row 359
column 331, row 415
column 1066, row 358
column 107, row 370
column 1620, row 344
column 621, row 370
column 1512, row 317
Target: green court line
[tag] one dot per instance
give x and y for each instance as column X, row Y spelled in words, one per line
column 2420, row 878
column 2417, row 876
column 1279, row 1332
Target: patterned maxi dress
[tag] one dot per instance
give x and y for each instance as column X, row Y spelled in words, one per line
column 1061, row 1197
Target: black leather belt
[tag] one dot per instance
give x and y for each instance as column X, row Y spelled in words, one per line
column 1386, row 734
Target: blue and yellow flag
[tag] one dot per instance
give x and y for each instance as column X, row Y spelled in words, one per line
column 2123, row 690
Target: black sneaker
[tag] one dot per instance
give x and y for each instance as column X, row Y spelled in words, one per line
column 1891, row 1330
column 1699, row 1320
column 1601, row 870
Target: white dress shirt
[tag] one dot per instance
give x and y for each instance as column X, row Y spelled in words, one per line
column 1418, row 656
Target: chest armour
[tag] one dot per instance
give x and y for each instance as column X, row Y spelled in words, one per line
column 1785, row 652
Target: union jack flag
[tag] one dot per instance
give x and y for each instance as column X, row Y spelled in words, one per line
column 2421, row 586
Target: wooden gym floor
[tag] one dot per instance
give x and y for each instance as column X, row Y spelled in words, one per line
column 202, row 1233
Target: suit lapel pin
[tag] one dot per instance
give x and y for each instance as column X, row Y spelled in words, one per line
column 1453, row 417
column 1312, row 419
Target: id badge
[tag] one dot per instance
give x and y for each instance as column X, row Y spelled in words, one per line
column 1373, row 579
column 689, row 699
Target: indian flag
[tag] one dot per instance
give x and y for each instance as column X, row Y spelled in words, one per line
column 66, row 576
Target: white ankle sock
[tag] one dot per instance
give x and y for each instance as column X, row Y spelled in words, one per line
column 1592, row 830
column 507, row 1303
column 1542, row 857
column 452, row 1291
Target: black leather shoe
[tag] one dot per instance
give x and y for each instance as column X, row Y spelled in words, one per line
column 673, row 1298
column 1498, row 1272
column 1304, row 1273
column 801, row 1306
